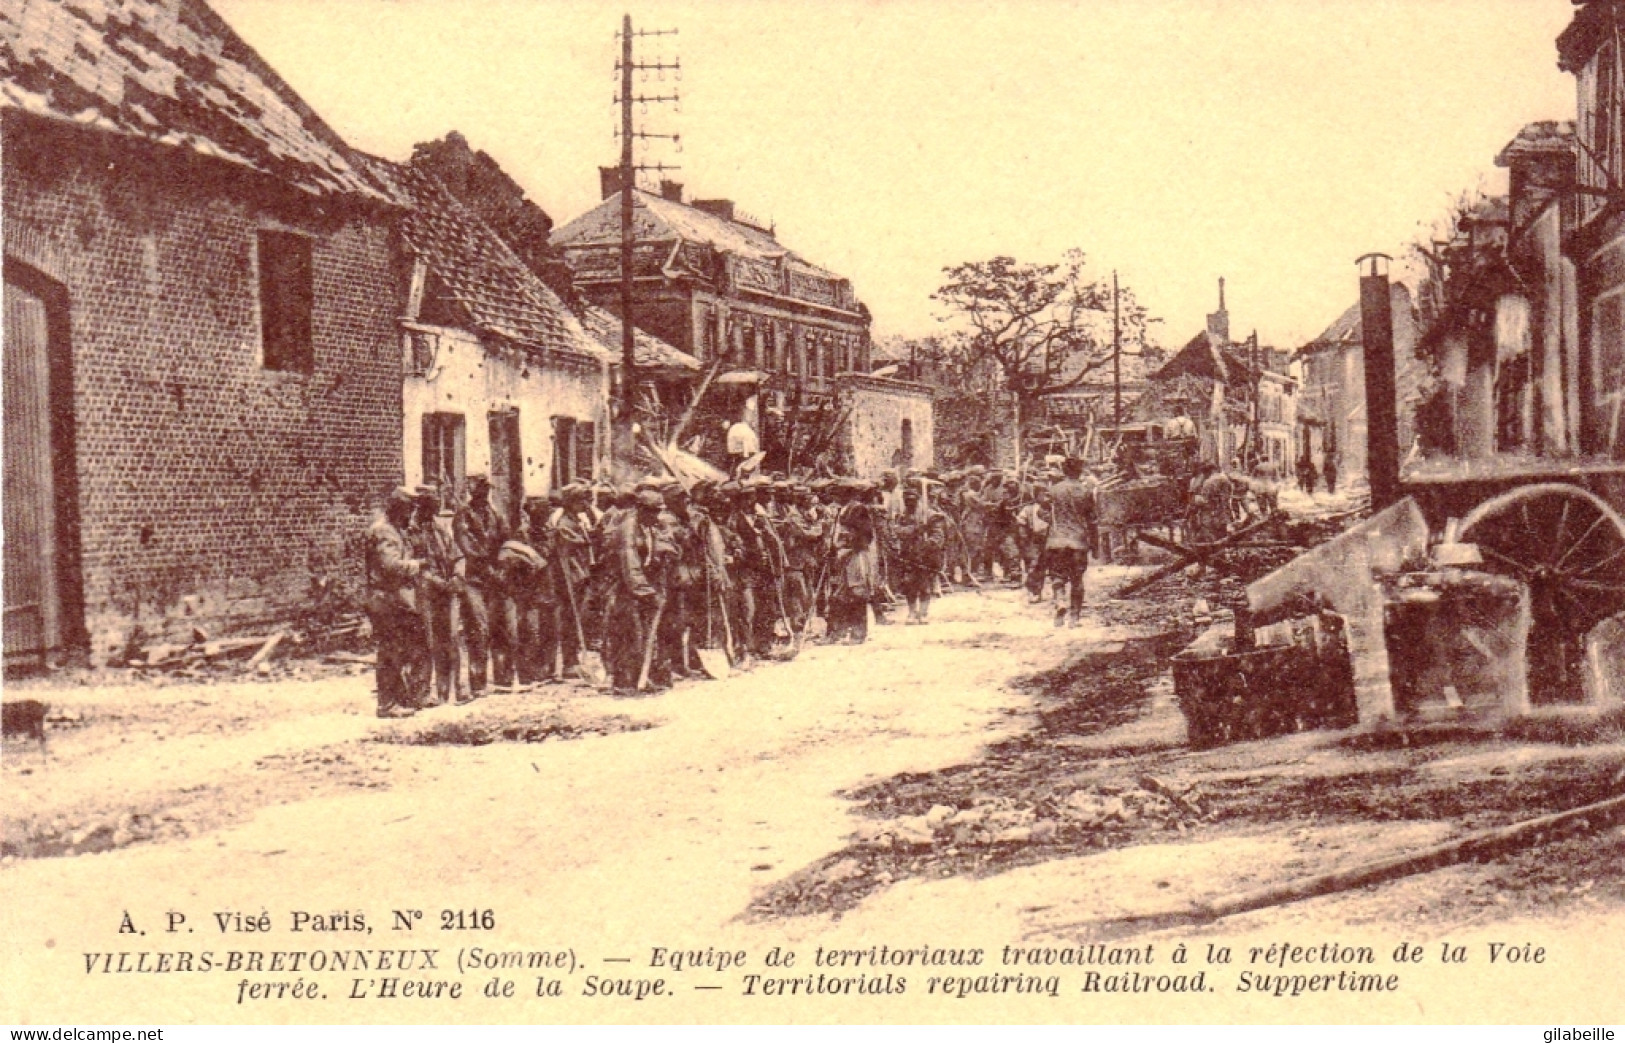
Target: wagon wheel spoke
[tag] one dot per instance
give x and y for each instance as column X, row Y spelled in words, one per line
column 1595, row 522
column 1562, row 526
column 1518, row 566
column 1597, row 586
column 1604, row 563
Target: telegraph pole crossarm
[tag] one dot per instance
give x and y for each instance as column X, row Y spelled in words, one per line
column 629, row 169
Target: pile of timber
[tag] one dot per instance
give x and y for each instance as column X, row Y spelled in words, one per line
column 255, row 651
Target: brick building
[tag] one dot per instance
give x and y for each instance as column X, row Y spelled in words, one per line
column 202, row 364
column 715, row 283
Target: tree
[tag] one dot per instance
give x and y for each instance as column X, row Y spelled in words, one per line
column 1041, row 328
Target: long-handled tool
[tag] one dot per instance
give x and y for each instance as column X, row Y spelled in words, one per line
column 713, row 660
column 649, row 640
column 589, row 662
column 814, row 625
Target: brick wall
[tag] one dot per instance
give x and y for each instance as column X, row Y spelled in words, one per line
column 211, row 490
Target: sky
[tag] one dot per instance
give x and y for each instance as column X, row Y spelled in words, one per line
column 1270, row 142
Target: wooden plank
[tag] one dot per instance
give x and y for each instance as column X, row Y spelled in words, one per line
column 31, row 606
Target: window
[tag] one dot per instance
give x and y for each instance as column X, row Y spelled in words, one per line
column 705, row 343
column 287, row 294
column 444, row 440
column 507, row 463
column 574, row 451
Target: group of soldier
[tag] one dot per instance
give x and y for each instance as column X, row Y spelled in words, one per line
column 648, row 577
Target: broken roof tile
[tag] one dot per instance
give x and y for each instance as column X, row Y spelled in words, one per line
column 171, row 72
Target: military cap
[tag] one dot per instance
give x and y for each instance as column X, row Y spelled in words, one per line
column 426, row 491
column 401, row 496
column 477, row 480
column 975, row 469
column 729, row 488
column 650, row 498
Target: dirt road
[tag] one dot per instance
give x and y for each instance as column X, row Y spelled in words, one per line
column 781, row 807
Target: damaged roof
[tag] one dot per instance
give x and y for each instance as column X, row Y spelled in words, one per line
column 1541, row 138
column 170, row 72
column 655, row 217
column 1198, row 358
column 474, row 269
column 650, row 351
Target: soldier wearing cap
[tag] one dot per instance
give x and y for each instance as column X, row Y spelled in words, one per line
column 679, row 623
column 757, row 568
column 392, row 575
column 706, row 505
column 922, row 540
column 574, row 562
column 440, row 591
column 640, row 557
column 854, row 581
column 801, row 532
column 998, row 503
column 522, row 598
column 481, row 532
column 1071, row 535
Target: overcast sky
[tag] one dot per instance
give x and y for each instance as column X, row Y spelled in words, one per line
column 1268, row 141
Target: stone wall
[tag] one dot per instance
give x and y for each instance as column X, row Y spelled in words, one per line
column 880, row 412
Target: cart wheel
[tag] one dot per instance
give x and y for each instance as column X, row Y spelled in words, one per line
column 1568, row 546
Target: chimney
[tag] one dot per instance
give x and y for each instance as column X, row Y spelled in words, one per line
column 671, row 190
column 1218, row 323
column 723, row 208
column 609, row 181
column 1381, row 411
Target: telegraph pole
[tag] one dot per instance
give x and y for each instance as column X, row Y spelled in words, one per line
column 1117, row 362
column 1258, row 394
column 629, row 358
column 628, row 176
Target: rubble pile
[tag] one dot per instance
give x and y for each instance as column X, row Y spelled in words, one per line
column 990, row 821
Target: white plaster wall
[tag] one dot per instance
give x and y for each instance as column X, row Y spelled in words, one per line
column 469, row 380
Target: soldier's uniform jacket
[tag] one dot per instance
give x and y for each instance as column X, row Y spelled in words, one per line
column 922, row 541
column 713, row 541
column 392, row 571
column 689, row 565
column 480, row 534
column 802, row 534
column 640, row 555
column 856, row 561
column 572, row 539
column 436, row 544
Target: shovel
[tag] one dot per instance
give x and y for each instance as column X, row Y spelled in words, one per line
column 713, row 660
column 815, row 626
column 589, row 662
column 649, row 639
